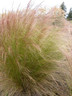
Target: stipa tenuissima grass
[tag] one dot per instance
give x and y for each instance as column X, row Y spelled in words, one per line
column 28, row 51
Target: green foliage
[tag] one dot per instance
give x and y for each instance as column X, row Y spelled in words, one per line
column 70, row 14
column 29, row 52
column 63, row 7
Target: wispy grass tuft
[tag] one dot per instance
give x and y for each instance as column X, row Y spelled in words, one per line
column 28, row 49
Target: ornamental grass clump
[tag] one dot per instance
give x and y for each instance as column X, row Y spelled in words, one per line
column 28, row 51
